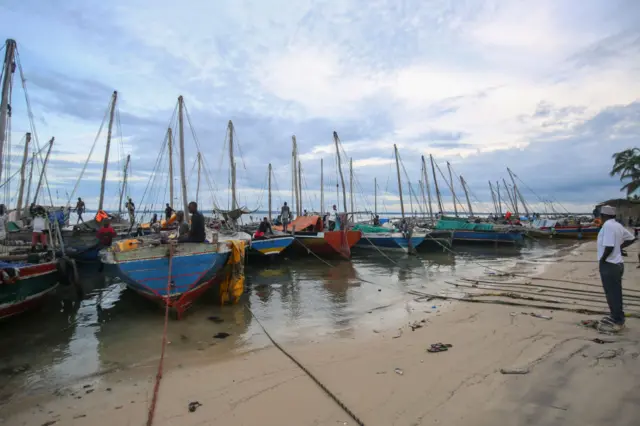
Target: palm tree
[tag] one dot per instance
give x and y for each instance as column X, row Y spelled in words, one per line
column 627, row 165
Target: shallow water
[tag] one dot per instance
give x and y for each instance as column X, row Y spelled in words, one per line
column 297, row 300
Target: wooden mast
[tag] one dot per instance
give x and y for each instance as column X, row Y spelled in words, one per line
column 466, row 194
column 499, row 198
column 232, row 165
column 506, row 188
column 322, row 187
column 124, row 184
column 170, row 146
column 426, row 184
column 294, row 176
column 344, row 191
column 351, row 183
column 26, row 201
column 493, row 198
column 435, row 182
column 517, row 192
column 198, row 184
column 23, row 174
column 453, row 193
column 7, row 72
column 375, row 196
column 269, row 192
column 44, row 167
column 183, row 179
column 395, row 151
column 299, row 187
column 105, row 165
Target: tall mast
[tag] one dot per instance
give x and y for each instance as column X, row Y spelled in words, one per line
column 7, row 73
column 493, row 198
column 435, row 182
column 183, row 179
column 170, row 146
column 344, row 191
column 375, row 196
column 44, row 167
column 33, row 159
column 424, row 195
column 351, row 183
column 426, row 184
column 114, row 99
column 299, row 188
column 453, row 193
column 294, row 176
column 321, row 187
column 269, row 192
column 506, row 189
column 124, row 183
column 232, row 164
column 499, row 198
column 198, row 184
column 517, row 192
column 23, row 174
column 395, row 151
column 466, row 194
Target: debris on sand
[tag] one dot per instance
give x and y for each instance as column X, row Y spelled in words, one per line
column 522, row 370
column 221, row 335
column 439, row 347
column 193, row 406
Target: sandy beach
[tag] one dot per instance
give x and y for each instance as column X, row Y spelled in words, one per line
column 566, row 377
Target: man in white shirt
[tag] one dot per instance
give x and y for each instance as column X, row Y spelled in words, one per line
column 612, row 238
column 39, row 226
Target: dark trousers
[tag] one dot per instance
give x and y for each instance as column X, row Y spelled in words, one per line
column 611, row 276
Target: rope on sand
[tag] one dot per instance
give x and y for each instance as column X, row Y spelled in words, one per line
column 308, row 373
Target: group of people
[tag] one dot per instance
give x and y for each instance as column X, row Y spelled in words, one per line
column 81, row 208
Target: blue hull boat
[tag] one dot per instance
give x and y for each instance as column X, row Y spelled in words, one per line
column 390, row 241
column 270, row 246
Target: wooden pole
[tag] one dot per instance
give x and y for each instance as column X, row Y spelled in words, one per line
column 300, row 187
column 44, row 167
column 7, row 73
column 453, row 194
column 33, row 160
column 395, row 150
column 183, row 178
column 466, row 194
column 105, row 165
column 124, row 184
column 426, row 184
column 375, row 196
column 499, row 198
column 23, row 174
column 198, row 184
column 294, row 176
column 351, row 183
column 321, row 187
column 435, row 182
column 232, row 164
column 270, row 209
column 344, row 191
column 170, row 146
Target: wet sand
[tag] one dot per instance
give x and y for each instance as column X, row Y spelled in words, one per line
column 571, row 380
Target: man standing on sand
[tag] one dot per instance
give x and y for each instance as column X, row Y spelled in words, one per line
column 612, row 238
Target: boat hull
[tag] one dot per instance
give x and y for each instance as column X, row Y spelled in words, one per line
column 395, row 241
column 33, row 285
column 488, row 237
column 327, row 244
column 270, row 246
column 572, row 233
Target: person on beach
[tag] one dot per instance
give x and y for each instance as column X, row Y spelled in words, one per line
column 285, row 216
column 612, row 239
column 80, row 208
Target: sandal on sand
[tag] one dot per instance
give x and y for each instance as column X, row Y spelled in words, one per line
column 439, row 347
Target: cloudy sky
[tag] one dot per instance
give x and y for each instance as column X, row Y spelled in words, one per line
column 547, row 88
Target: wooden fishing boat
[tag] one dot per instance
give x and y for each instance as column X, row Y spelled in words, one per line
column 270, row 245
column 551, row 229
column 311, row 236
column 24, row 286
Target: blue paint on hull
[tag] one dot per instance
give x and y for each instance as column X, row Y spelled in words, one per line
column 188, row 272
column 270, row 246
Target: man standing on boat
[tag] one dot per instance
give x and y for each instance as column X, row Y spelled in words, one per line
column 612, row 239
column 80, row 207
column 285, row 216
column 39, row 226
column 131, row 208
column 168, row 211
column 196, row 233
